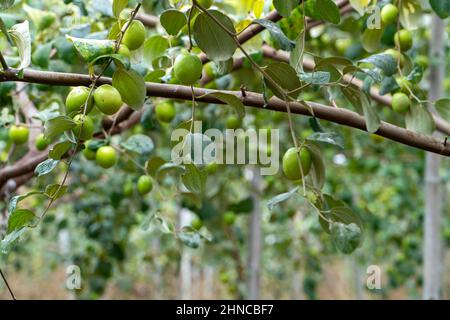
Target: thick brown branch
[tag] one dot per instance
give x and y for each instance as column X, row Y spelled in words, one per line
column 337, row 115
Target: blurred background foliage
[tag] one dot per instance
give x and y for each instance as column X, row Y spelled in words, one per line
column 107, row 230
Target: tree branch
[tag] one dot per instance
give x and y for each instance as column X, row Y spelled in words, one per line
column 251, row 99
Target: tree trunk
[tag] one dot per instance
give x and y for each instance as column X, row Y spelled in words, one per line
column 254, row 251
column 432, row 272
column 185, row 265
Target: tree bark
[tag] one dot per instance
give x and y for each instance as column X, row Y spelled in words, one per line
column 433, row 187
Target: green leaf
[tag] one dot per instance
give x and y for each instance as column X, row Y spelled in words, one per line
column 45, row 167
column 20, row 34
column 155, row 76
column 371, row 39
column 296, row 56
column 12, row 204
column 332, row 138
column 59, row 150
column 285, row 7
column 41, row 19
column 173, row 21
column 152, row 165
column 318, row 168
column 441, row 7
column 244, row 206
column 317, row 77
column 385, row 62
column 231, row 100
column 389, row 84
column 19, row 218
column 10, row 238
column 360, row 5
column 131, row 86
column 155, row 47
column 118, row 6
column 420, row 120
column 275, row 31
column 55, row 191
column 118, row 58
column 194, row 179
column 443, row 108
column 167, row 167
column 328, row 10
column 360, row 101
column 272, row 203
column 346, row 237
column 139, row 143
column 189, row 237
column 411, row 14
column 6, row 4
column 286, row 78
column 91, row 49
column 211, row 38
column 56, row 126
column 41, row 55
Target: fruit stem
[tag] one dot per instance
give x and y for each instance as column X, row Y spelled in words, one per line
column 3, row 63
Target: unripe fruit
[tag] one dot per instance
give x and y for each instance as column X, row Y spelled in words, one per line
column 188, row 69
column 106, row 157
column 389, row 13
column 89, row 154
column 165, row 111
column 291, row 166
column 233, row 122
column 422, row 61
column 343, row 44
column 197, row 223
column 212, row 167
column 84, row 130
column 400, row 102
column 76, row 100
column 404, row 39
column 404, row 84
column 107, row 99
column 134, row 37
column 229, row 218
column 144, row 184
column 19, row 134
column 128, row 189
column 396, row 55
column 124, row 51
column 206, row 3
column 41, row 142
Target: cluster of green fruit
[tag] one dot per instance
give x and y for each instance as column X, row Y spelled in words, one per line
column 229, row 218
column 144, row 185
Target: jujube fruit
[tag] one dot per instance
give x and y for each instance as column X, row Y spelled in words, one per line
column 76, row 100
column 134, row 37
column 389, row 13
column 229, row 218
column 165, row 111
column 197, row 223
column 89, row 154
column 233, row 122
column 404, row 39
column 41, row 142
column 400, row 102
column 84, row 129
column 108, row 99
column 188, row 69
column 106, row 157
column 19, row 134
column 144, row 184
column 291, row 166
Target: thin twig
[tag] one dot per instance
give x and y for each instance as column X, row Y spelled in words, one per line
column 7, row 285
